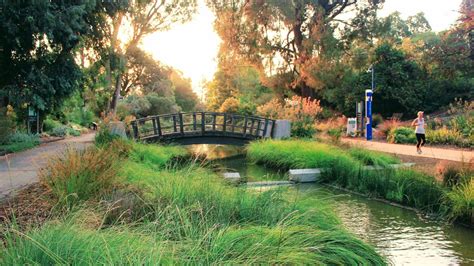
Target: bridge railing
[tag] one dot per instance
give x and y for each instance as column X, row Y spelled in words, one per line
column 202, row 124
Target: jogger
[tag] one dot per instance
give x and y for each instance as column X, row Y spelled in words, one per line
column 419, row 124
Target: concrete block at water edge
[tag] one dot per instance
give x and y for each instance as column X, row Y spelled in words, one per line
column 117, row 128
column 232, row 177
column 402, row 165
column 304, row 175
column 282, row 129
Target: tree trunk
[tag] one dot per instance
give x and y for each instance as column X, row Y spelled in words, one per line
column 116, row 96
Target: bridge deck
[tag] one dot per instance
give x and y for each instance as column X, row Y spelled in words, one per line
column 202, row 127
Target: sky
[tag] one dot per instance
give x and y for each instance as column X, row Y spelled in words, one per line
column 192, row 47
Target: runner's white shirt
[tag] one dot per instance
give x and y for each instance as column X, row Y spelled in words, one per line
column 420, row 126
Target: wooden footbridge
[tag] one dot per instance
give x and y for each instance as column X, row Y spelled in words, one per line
column 203, row 128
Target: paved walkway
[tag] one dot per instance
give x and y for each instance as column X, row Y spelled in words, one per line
column 21, row 169
column 428, row 152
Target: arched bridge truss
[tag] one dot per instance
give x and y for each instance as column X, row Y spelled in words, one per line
column 202, row 128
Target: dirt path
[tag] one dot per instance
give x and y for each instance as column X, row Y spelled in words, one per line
column 21, row 169
column 428, row 152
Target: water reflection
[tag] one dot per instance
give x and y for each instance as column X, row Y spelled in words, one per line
column 401, row 235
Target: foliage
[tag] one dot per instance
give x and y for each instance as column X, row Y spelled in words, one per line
column 186, row 98
column 401, row 135
column 7, row 125
column 50, row 124
column 155, row 156
column 384, row 129
column 367, row 157
column 377, row 119
column 302, row 112
column 78, row 175
column 103, row 137
column 119, row 29
column 19, row 141
column 230, row 105
column 150, row 104
column 462, row 199
column 37, row 42
column 261, row 29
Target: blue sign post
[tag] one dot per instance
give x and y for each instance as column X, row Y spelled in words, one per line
column 368, row 114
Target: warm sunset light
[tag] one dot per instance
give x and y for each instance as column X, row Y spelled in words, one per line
column 191, row 47
column 237, row 132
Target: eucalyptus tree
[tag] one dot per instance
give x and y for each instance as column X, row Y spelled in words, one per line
column 288, row 39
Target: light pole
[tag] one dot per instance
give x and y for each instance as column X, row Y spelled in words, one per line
column 372, row 70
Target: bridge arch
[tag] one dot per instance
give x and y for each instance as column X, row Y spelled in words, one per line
column 203, row 128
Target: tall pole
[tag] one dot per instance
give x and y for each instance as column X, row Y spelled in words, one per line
column 373, row 71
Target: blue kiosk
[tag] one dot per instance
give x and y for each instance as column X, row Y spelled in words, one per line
column 368, row 114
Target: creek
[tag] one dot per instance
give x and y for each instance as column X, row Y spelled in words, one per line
column 403, row 236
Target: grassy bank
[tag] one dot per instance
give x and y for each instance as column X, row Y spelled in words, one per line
column 404, row 186
column 153, row 211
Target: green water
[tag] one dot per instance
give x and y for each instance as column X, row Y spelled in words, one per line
column 403, row 236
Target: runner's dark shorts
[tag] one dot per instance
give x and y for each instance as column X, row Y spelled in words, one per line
column 420, row 139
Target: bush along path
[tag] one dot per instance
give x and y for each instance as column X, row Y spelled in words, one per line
column 20, row 169
column 129, row 203
column 453, row 198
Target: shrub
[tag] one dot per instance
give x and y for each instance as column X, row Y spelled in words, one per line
column 401, row 135
column 60, row 131
column 230, row 105
column 78, row 175
column 19, row 141
column 377, row 119
column 49, row 125
column 444, row 136
column 302, row 112
column 73, row 132
column 335, row 134
column 387, row 126
column 81, row 116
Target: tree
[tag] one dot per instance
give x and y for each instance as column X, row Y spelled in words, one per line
column 286, row 38
column 135, row 21
column 186, row 98
column 145, row 74
column 399, row 82
column 37, row 41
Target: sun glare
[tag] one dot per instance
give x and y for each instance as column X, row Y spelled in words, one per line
column 191, row 47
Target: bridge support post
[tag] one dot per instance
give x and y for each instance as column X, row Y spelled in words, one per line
column 282, row 129
column 203, row 123
column 181, row 124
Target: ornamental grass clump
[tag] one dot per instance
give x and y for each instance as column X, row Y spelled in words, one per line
column 77, row 175
column 367, row 157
